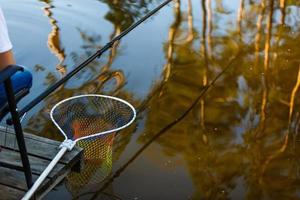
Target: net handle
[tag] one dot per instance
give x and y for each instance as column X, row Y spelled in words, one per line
column 45, row 173
column 97, row 134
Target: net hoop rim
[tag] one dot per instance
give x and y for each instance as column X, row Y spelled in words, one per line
column 97, row 134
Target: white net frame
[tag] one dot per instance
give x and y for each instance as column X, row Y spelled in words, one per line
column 94, row 134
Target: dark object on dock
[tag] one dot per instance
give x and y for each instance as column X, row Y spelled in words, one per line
column 5, row 78
column 40, row 152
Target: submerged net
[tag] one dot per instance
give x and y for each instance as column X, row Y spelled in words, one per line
column 97, row 165
column 98, row 149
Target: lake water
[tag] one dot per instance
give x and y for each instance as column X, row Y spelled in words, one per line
column 215, row 83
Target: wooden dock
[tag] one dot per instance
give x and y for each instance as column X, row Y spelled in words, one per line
column 41, row 151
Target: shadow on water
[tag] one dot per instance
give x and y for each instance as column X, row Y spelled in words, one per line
column 221, row 118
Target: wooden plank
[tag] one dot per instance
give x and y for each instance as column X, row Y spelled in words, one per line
column 44, row 191
column 30, row 136
column 8, row 193
column 37, row 165
column 38, row 146
column 15, row 179
column 40, row 153
column 12, row 178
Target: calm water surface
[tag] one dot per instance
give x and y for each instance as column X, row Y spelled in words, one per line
column 216, row 84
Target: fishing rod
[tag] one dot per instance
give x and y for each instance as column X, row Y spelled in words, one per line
column 98, row 54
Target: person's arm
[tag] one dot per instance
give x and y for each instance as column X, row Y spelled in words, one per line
column 6, row 54
column 6, row 58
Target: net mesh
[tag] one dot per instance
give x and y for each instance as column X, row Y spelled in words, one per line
column 97, row 165
column 88, row 119
column 91, row 115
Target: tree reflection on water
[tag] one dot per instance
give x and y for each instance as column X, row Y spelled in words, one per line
column 243, row 130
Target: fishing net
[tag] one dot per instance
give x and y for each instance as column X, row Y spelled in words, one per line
column 92, row 122
column 86, row 117
column 97, row 166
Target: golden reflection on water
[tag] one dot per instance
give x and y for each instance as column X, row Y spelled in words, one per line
column 54, row 40
column 244, row 130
